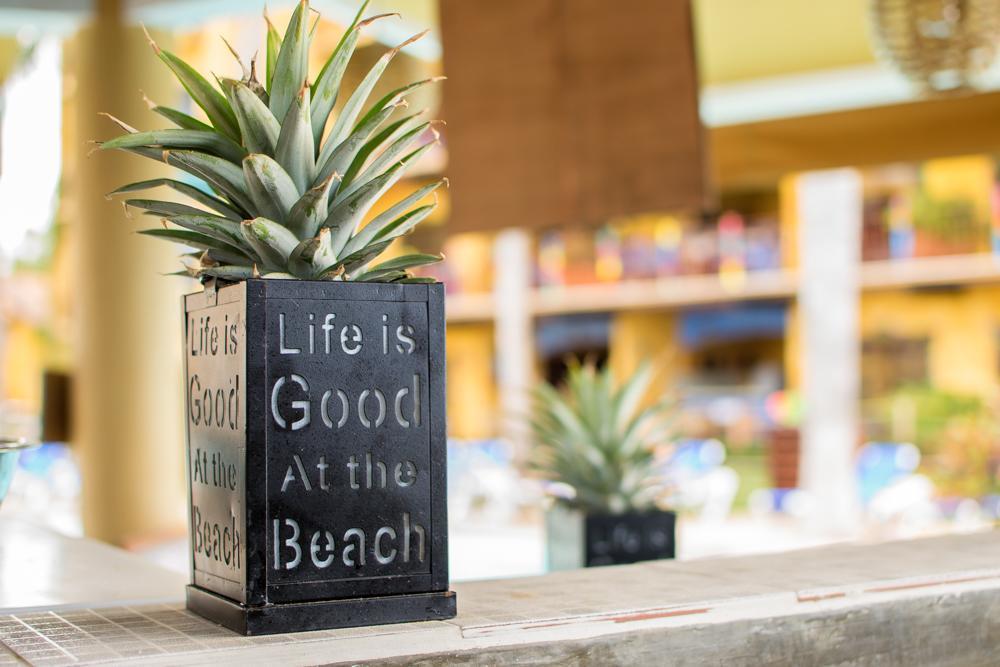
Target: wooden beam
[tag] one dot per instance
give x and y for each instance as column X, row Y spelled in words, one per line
column 592, row 113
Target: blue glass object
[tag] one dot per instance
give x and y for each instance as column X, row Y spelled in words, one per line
column 9, row 451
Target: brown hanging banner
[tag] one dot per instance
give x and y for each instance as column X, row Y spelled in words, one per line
column 570, row 112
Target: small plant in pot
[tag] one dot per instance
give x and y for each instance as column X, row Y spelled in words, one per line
column 314, row 371
column 596, row 443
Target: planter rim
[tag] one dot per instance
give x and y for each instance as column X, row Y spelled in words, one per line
column 605, row 513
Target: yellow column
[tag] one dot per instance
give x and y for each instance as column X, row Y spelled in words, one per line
column 129, row 414
column 637, row 337
column 789, row 230
column 472, row 400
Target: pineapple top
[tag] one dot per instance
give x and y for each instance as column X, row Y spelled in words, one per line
column 597, row 439
column 286, row 198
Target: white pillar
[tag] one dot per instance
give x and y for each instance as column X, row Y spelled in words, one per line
column 513, row 333
column 829, row 213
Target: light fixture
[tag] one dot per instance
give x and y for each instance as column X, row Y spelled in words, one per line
column 940, row 45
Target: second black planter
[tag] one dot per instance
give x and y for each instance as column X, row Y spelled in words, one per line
column 317, row 455
column 577, row 540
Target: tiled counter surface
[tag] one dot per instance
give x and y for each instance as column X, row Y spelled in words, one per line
column 934, row 601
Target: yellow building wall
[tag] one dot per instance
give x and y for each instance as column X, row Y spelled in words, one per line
column 24, row 357
column 472, row 400
column 968, row 177
column 961, row 328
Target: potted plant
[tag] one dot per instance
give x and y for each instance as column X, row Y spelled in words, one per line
column 596, row 444
column 314, row 372
column 947, row 226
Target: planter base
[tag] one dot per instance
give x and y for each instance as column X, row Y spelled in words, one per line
column 323, row 615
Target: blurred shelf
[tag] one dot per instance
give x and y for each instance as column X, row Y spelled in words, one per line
column 931, row 271
column 469, row 308
column 682, row 291
column 673, row 291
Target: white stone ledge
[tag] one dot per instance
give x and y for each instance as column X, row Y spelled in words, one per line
column 932, row 601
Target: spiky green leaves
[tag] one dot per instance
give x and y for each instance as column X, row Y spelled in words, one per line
column 294, row 150
column 210, row 142
column 292, row 65
column 269, row 196
column 201, row 91
column 258, row 125
column 594, row 437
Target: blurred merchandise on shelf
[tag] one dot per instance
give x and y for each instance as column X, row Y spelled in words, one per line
column 607, row 255
column 937, row 208
column 658, row 246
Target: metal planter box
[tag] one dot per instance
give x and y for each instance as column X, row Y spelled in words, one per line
column 317, row 455
column 578, row 540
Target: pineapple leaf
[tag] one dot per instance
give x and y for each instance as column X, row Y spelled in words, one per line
column 161, row 208
column 179, row 118
column 220, row 256
column 626, row 400
column 295, row 149
column 393, row 215
column 199, row 240
column 352, row 108
column 404, row 224
column 292, row 65
column 273, row 46
column 324, row 259
column 223, row 176
column 210, row 141
column 256, row 86
column 218, row 228
column 355, row 260
column 191, row 191
column 212, row 102
column 387, row 179
column 270, row 187
column 360, row 259
column 273, row 242
column 417, row 280
column 326, row 88
column 388, row 132
column 259, row 127
column 335, row 159
column 401, row 263
column 381, row 276
column 390, row 155
column 151, row 153
column 345, row 217
column 310, row 210
column 398, row 94
column 300, row 260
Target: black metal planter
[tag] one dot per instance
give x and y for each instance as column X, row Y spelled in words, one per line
column 592, row 540
column 317, row 455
